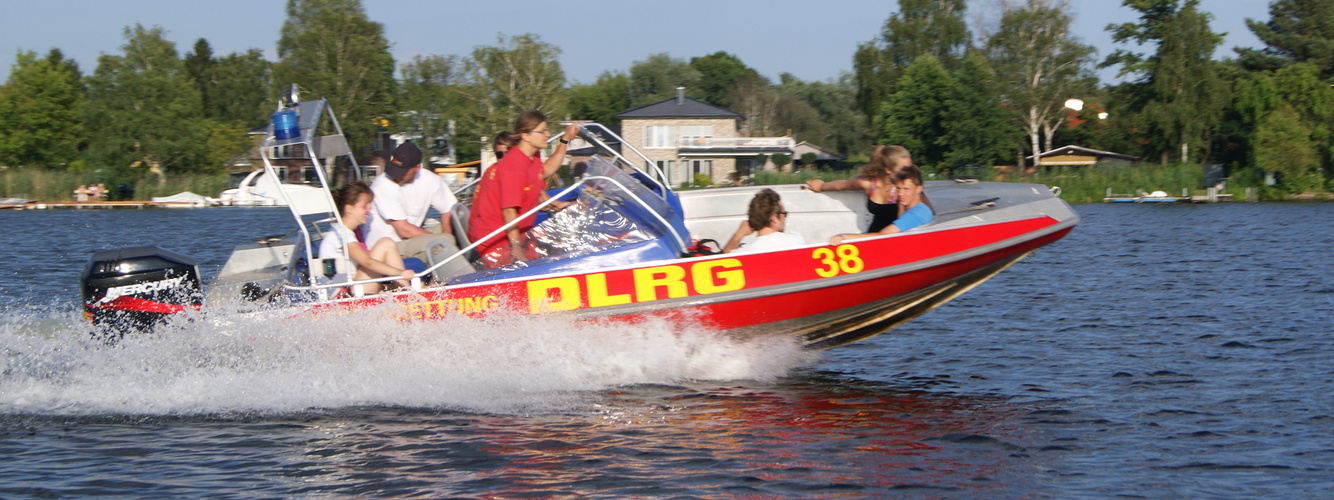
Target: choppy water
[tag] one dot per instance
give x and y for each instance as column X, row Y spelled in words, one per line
column 1158, row 351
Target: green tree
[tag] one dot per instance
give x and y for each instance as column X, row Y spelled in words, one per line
column 428, row 101
column 799, row 117
column 1184, row 98
column 920, row 27
column 1297, row 31
column 719, row 72
column 602, row 100
column 143, row 109
column 977, row 127
column 241, row 88
column 1264, row 101
column 657, row 77
column 916, row 115
column 844, row 128
column 199, row 66
column 500, row 81
column 1041, row 65
column 1283, row 145
column 228, row 143
column 331, row 50
column 40, row 106
column 757, row 100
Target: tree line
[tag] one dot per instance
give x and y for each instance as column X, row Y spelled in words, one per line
column 955, row 96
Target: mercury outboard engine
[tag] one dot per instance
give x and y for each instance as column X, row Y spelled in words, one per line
column 135, row 289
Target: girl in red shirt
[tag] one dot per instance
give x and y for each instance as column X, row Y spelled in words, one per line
column 513, row 186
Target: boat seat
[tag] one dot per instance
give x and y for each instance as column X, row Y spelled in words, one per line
column 458, row 221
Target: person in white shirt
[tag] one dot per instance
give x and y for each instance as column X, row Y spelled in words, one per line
column 403, row 195
column 766, row 219
column 380, row 260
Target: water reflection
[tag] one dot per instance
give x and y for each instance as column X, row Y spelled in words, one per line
column 815, row 434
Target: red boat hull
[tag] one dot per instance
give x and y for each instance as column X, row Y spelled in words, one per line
column 826, row 295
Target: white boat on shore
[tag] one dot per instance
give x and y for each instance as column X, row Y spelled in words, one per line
column 258, row 189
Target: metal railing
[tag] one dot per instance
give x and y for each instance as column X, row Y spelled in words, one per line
column 416, row 283
column 735, row 142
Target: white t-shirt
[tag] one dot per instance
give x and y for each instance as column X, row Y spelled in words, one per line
column 334, row 245
column 410, row 203
column 773, row 241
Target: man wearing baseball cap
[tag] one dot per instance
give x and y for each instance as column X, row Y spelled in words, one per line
column 403, row 195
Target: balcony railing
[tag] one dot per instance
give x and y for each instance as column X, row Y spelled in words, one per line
column 735, row 142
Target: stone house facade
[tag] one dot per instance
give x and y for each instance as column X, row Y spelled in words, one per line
column 686, row 136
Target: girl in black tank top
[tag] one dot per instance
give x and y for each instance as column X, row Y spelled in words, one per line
column 882, row 215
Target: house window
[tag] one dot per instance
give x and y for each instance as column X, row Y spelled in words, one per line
column 700, row 167
column 659, row 136
column 696, row 134
column 668, row 167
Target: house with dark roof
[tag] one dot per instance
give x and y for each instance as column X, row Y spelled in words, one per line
column 823, row 157
column 1081, row 156
column 686, row 136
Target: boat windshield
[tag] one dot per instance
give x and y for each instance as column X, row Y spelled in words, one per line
column 234, row 180
column 613, row 213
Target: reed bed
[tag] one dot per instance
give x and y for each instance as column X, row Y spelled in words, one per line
column 54, row 186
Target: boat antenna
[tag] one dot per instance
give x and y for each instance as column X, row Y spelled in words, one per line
column 291, row 97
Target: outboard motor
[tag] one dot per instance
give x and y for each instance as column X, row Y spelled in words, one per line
column 135, row 289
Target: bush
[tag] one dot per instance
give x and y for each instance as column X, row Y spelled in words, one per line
column 703, row 180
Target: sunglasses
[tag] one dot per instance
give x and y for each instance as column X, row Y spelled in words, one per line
column 543, row 131
column 784, row 214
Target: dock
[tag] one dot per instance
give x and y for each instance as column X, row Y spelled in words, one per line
column 86, row 205
column 1211, row 196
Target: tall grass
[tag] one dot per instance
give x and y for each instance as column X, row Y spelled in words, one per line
column 1089, row 184
column 769, row 177
column 53, row 186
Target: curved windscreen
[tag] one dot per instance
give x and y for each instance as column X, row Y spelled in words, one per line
column 613, row 214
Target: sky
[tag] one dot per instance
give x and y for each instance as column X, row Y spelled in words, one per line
column 772, row 36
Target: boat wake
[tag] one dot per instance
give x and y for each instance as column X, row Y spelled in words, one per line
column 243, row 363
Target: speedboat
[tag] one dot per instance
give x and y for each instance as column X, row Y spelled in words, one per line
column 629, row 249
column 257, row 188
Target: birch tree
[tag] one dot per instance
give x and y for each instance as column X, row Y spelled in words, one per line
column 500, row 81
column 1040, row 65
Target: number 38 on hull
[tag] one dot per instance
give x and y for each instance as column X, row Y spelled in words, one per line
column 824, row 295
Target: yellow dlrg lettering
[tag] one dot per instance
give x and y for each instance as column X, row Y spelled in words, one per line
column 648, row 279
column 540, row 298
column 728, row 271
column 597, row 292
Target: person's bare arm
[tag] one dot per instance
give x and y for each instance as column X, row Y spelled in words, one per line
column 854, row 184
column 513, row 234
column 840, row 239
column 741, row 232
column 445, row 227
column 557, row 157
column 406, row 230
column 365, row 261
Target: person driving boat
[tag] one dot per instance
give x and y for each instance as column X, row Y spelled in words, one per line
column 513, row 186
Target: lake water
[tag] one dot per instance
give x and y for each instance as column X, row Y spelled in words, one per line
column 1157, row 351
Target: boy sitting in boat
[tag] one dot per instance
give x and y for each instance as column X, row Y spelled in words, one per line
column 912, row 211
column 767, row 219
column 404, row 194
column 380, row 260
